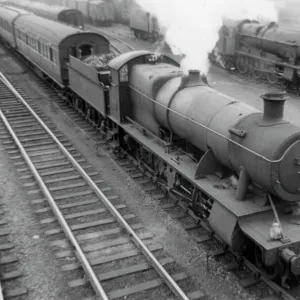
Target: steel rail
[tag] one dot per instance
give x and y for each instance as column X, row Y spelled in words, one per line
column 217, row 133
column 87, row 267
column 142, row 247
column 1, row 292
column 275, row 287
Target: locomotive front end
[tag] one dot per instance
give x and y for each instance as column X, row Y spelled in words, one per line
column 270, row 152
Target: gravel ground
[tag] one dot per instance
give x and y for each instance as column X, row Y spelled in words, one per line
column 41, row 275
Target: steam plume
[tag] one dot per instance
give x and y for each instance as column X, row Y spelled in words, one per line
column 191, row 26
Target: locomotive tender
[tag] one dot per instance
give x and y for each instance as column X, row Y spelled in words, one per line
column 191, row 138
column 261, row 50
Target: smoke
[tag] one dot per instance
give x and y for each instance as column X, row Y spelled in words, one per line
column 191, row 26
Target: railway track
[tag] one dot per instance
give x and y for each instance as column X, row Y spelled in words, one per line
column 10, row 269
column 119, row 257
column 11, row 273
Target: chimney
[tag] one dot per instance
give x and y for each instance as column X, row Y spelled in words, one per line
column 274, row 105
column 193, row 79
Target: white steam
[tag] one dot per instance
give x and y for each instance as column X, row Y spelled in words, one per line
column 191, row 26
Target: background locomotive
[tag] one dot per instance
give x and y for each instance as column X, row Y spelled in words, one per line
column 144, row 25
column 261, row 50
column 95, row 11
column 189, row 136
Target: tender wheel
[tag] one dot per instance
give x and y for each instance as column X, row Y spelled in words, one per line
column 242, row 65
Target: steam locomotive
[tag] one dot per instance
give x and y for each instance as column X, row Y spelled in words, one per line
column 261, row 50
column 191, row 138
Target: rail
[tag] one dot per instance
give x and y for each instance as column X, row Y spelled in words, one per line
column 217, row 133
column 92, row 276
column 1, row 292
column 87, row 267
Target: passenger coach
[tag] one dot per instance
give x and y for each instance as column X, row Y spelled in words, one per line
column 53, row 12
column 7, row 16
column 47, row 44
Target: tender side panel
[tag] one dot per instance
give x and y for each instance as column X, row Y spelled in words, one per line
column 84, row 81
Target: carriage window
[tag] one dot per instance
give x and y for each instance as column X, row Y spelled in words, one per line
column 54, row 57
column 51, row 54
column 39, row 47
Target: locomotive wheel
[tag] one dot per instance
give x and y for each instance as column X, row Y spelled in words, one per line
column 242, row 65
column 284, row 83
column 272, row 78
column 256, row 72
column 272, row 272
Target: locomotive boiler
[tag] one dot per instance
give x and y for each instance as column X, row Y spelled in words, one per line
column 265, row 145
